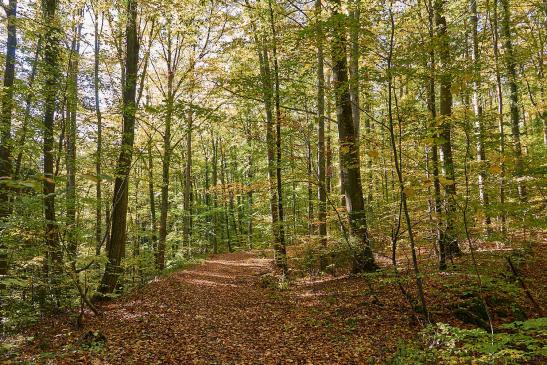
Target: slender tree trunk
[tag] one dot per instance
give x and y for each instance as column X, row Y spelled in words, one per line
column 51, row 56
column 400, row 178
column 477, row 108
column 279, row 247
column 120, row 196
column 321, row 158
column 5, row 125
column 71, row 135
column 309, row 156
column 432, row 105
column 99, row 151
column 328, row 153
column 349, row 148
column 152, row 198
column 355, row 25
column 166, row 161
column 225, row 195
column 450, row 237
column 207, row 194
column 188, row 181
column 214, row 177
column 514, row 96
column 250, row 210
column 499, row 94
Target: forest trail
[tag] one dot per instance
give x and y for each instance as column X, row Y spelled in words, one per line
column 218, row 312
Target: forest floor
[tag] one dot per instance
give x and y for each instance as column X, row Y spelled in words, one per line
column 223, row 311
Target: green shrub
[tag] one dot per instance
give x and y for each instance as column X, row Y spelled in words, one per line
column 441, row 343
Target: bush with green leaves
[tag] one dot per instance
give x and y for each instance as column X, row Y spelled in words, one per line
column 513, row 343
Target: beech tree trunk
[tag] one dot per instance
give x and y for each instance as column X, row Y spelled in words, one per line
column 477, row 108
column 166, row 161
column 6, row 168
column 279, row 246
column 432, row 105
column 51, row 56
column 321, row 160
column 501, row 123
column 71, row 135
column 355, row 24
column 116, row 248
column 99, row 151
column 514, row 96
column 450, row 238
column 350, row 165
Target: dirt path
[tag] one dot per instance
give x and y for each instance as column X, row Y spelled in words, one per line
column 218, row 313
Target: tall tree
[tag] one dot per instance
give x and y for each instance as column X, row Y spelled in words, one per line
column 116, row 247
column 71, row 135
column 450, row 245
column 5, row 123
column 510, row 63
column 477, row 108
column 280, row 249
column 97, row 23
column 171, row 58
column 350, row 166
column 355, row 32
column 51, row 56
column 432, row 106
column 501, row 123
column 321, row 160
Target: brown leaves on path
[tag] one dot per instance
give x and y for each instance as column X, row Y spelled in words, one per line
column 218, row 313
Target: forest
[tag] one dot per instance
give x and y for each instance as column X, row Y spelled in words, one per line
column 273, row 182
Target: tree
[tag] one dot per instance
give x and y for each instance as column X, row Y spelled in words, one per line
column 71, row 138
column 280, row 249
column 514, row 96
column 477, row 108
column 321, row 160
column 449, row 244
column 5, row 123
column 350, row 166
column 51, row 55
column 116, row 246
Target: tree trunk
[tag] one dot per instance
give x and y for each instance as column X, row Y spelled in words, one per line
column 321, row 158
column 432, row 105
column 450, row 238
column 514, row 96
column 5, row 124
column 279, row 247
column 499, row 94
column 188, row 181
column 99, row 151
column 355, row 24
column 397, row 159
column 51, row 56
column 477, row 108
column 349, row 148
column 120, row 196
column 152, row 199
column 214, row 179
column 166, row 161
column 71, row 135
column 311, row 225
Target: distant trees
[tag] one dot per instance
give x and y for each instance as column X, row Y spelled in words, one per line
column 186, row 128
